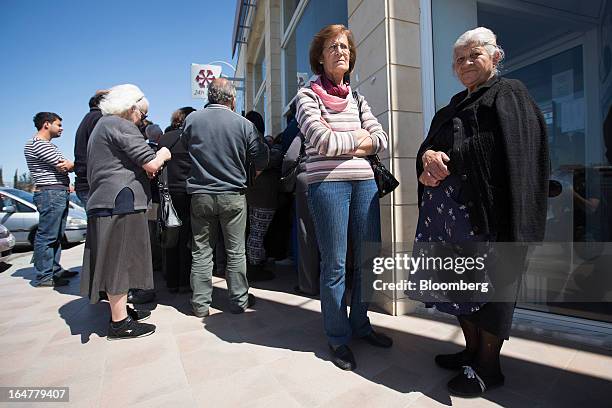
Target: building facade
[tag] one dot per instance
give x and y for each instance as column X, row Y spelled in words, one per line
column 560, row 49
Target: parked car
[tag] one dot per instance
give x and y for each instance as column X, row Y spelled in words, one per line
column 74, row 199
column 19, row 215
column 7, row 242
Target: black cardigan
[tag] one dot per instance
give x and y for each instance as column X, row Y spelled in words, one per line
column 500, row 150
column 80, row 147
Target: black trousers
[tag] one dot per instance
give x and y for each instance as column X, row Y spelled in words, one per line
column 177, row 260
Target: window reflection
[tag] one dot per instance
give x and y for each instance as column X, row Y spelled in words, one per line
column 316, row 15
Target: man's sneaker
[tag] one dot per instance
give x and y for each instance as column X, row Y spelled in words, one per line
column 129, row 329
column 67, row 274
column 53, row 283
column 138, row 315
column 250, row 302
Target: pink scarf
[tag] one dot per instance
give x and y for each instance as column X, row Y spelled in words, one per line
column 333, row 96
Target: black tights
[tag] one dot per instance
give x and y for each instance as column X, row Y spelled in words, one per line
column 485, row 346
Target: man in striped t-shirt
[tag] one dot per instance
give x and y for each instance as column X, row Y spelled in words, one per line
column 49, row 170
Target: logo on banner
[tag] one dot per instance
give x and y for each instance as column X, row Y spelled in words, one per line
column 201, row 77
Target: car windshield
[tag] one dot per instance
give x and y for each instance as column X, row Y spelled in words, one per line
column 24, row 195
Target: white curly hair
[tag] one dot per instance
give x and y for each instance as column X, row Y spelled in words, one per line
column 121, row 99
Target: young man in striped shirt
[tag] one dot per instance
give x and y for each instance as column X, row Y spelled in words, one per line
column 49, row 170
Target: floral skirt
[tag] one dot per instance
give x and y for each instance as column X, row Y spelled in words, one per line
column 444, row 229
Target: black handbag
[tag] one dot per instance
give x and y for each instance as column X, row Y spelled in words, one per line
column 292, row 160
column 385, row 181
column 168, row 221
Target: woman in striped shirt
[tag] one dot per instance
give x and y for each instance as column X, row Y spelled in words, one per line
column 342, row 193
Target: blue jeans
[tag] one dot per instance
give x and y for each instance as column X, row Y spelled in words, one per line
column 52, row 208
column 83, row 196
column 338, row 207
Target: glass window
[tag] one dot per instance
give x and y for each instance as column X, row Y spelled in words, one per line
column 564, row 57
column 7, row 201
column 259, row 69
column 316, row 15
column 289, row 7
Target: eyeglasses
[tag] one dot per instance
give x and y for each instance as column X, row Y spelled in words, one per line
column 143, row 115
column 339, row 48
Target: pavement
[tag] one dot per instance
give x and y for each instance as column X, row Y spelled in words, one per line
column 274, row 355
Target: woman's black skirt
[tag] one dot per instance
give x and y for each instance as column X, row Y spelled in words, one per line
column 117, row 255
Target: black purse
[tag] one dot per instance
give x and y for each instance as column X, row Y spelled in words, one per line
column 385, row 181
column 292, row 160
column 168, row 221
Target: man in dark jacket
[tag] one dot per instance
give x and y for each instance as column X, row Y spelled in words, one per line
column 80, row 146
column 221, row 144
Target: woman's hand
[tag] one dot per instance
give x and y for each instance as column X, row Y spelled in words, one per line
column 434, row 168
column 364, row 143
column 152, row 167
column 164, row 154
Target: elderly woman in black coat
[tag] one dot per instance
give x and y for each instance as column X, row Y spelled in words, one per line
column 483, row 177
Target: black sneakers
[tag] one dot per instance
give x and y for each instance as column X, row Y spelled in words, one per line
column 128, row 329
column 53, row 283
column 343, row 358
column 138, row 315
column 139, row 296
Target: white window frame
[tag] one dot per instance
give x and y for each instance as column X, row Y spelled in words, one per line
column 427, row 65
column 295, row 19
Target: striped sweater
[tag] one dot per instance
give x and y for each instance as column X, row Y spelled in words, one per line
column 329, row 138
column 42, row 157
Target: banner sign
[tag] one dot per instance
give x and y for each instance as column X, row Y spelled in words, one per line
column 201, row 77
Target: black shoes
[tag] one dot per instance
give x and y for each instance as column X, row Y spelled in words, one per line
column 64, row 274
column 138, row 315
column 128, row 329
column 53, row 283
column 378, row 339
column 140, row 296
column 258, row 273
column 454, row 361
column 471, row 384
column 343, row 358
column 250, row 302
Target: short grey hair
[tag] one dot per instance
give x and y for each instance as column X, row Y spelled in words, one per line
column 221, row 91
column 121, row 99
column 481, row 37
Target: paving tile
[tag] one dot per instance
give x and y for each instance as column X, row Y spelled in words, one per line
column 276, row 354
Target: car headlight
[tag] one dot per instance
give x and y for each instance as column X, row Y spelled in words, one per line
column 76, row 222
column 4, row 233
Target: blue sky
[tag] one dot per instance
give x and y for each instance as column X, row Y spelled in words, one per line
column 57, row 53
